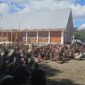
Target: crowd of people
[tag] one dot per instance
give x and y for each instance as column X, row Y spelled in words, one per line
column 18, row 64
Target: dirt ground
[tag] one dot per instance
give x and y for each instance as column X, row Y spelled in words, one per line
column 69, row 73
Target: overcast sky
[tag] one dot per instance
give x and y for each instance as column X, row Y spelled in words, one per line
column 24, row 6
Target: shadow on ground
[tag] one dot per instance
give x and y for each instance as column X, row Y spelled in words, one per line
column 49, row 70
column 61, row 82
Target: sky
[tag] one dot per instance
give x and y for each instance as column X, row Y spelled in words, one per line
column 25, row 6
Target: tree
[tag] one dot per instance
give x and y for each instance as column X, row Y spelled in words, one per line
column 79, row 34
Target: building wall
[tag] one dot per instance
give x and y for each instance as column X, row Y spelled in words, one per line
column 31, row 37
column 43, row 37
column 0, row 36
column 55, row 37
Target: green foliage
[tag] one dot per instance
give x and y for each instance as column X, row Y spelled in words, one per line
column 79, row 34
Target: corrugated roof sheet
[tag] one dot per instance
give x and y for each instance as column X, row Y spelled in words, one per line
column 37, row 20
